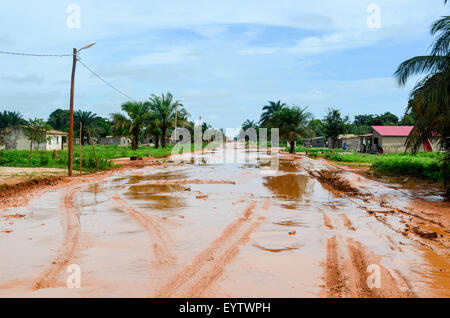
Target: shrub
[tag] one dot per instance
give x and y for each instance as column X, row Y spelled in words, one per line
column 44, row 160
column 424, row 167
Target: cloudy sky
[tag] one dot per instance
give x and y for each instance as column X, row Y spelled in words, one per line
column 225, row 58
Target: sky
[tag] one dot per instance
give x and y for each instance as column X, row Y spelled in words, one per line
column 226, row 59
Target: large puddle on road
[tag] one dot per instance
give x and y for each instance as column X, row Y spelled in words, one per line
column 224, row 229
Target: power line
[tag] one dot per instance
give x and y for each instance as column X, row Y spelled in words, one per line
column 104, row 81
column 79, row 60
column 38, row 55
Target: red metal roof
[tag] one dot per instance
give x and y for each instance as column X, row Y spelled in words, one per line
column 401, row 131
column 367, row 135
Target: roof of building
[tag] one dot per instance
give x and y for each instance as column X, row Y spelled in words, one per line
column 57, row 132
column 315, row 138
column 366, row 135
column 346, row 136
column 7, row 130
column 399, row 131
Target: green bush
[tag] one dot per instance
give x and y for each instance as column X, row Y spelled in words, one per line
column 425, row 167
column 44, row 160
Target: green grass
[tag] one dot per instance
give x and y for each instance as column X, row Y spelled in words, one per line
column 420, row 166
column 351, row 157
column 425, row 165
column 314, row 152
column 40, row 158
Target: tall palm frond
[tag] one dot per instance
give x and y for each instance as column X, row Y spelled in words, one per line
column 429, row 100
column 442, row 43
column 11, row 119
column 269, row 110
column 164, row 108
column 420, row 64
column 292, row 123
column 249, row 124
column 131, row 126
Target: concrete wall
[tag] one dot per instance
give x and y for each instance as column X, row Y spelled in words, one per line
column 15, row 138
column 393, row 144
column 353, row 143
column 318, row 142
column 54, row 142
column 122, row 141
column 390, row 144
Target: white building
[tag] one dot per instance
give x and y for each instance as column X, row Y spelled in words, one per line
column 15, row 138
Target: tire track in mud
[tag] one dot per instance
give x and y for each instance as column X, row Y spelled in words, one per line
column 410, row 227
column 161, row 242
column 347, row 223
column 414, row 224
column 65, row 253
column 334, row 280
column 328, row 176
column 209, row 265
column 347, row 266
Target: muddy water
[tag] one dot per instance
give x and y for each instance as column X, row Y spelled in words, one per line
column 210, row 229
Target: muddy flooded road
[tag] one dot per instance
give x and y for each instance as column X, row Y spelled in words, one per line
column 212, row 229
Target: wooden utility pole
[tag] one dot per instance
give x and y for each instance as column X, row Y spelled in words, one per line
column 72, row 87
column 81, row 150
column 176, row 115
column 93, row 147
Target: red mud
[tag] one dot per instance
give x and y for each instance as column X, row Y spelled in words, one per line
column 312, row 230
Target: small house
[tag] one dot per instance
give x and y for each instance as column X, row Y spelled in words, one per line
column 14, row 138
column 391, row 139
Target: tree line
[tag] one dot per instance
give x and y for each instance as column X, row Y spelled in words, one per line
column 296, row 123
column 428, row 107
column 154, row 118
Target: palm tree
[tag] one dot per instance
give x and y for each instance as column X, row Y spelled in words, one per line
column 429, row 100
column 249, row 124
column 292, row 123
column 133, row 124
column 164, row 110
column 88, row 121
column 11, row 119
column 269, row 110
column 153, row 127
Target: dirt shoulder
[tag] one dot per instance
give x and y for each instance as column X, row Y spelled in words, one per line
column 15, row 175
column 363, row 169
column 17, row 191
column 417, row 212
column 19, row 185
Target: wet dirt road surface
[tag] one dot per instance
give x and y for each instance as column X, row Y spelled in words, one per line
column 213, row 229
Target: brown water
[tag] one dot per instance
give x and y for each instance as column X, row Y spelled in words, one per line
column 149, row 232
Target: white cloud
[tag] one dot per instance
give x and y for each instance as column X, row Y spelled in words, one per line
column 258, row 51
column 216, row 54
column 32, row 78
column 174, row 55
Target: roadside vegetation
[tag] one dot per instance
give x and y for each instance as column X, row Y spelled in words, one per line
column 429, row 99
column 423, row 165
column 153, row 120
column 427, row 166
column 427, row 110
column 58, row 159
